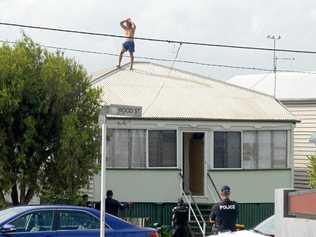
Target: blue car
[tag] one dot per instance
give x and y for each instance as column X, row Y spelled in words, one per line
column 64, row 221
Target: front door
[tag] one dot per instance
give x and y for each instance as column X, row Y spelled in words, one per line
column 193, row 163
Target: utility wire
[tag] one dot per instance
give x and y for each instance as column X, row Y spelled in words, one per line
column 146, row 58
column 164, row 83
column 158, row 40
column 175, row 58
column 162, row 59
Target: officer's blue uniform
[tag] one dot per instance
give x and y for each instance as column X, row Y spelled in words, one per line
column 225, row 215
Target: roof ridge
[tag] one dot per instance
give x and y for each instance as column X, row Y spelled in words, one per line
column 113, row 70
column 206, row 78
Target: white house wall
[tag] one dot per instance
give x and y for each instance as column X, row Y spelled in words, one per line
column 163, row 185
column 306, row 113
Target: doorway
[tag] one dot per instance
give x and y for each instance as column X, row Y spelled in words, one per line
column 193, row 163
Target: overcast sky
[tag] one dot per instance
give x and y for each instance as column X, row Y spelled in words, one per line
column 239, row 22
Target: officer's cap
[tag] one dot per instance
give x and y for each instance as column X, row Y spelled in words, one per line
column 225, row 189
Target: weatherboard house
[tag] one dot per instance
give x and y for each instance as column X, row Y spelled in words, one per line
column 297, row 91
column 193, row 130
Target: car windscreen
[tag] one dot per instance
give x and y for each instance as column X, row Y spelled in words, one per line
column 267, row 226
column 10, row 212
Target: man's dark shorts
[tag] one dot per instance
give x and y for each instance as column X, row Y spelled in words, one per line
column 129, row 46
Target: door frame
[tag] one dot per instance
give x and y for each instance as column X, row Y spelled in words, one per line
column 206, row 133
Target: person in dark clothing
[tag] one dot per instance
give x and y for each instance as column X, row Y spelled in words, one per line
column 85, row 201
column 180, row 227
column 112, row 206
column 224, row 214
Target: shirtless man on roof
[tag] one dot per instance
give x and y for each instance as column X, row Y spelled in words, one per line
column 129, row 45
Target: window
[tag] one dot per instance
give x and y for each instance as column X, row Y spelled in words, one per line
column 34, row 222
column 265, row 149
column 227, row 150
column 162, row 148
column 279, row 140
column 76, row 220
column 250, row 149
column 126, row 148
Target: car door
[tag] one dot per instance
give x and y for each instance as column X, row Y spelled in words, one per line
column 76, row 223
column 33, row 224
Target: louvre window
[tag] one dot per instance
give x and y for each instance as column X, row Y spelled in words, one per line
column 227, row 150
column 265, row 149
column 162, row 148
column 126, row 148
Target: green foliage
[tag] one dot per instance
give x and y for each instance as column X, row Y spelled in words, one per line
column 49, row 130
column 312, row 170
column 165, row 231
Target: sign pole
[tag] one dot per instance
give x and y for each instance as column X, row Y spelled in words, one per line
column 121, row 110
column 103, row 180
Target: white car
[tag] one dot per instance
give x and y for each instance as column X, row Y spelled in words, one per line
column 265, row 228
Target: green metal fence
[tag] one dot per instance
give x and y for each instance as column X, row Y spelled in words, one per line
column 155, row 212
column 250, row 213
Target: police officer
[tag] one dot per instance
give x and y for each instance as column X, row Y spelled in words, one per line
column 224, row 214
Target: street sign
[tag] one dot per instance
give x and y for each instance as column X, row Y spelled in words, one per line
column 124, row 110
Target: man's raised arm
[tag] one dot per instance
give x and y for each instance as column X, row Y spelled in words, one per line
column 133, row 26
column 122, row 23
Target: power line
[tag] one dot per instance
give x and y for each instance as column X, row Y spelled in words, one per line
column 175, row 58
column 146, row 58
column 164, row 83
column 162, row 59
column 157, row 40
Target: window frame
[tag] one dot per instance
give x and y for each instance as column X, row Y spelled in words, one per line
column 107, row 150
column 57, row 227
column 129, row 161
column 147, row 167
column 147, row 150
column 241, row 150
column 34, row 211
column 242, row 131
column 287, row 149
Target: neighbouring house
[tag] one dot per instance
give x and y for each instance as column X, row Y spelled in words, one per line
column 193, row 128
column 297, row 91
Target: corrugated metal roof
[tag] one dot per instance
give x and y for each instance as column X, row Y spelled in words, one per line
column 290, row 86
column 178, row 94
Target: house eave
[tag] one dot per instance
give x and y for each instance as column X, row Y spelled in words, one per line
column 299, row 100
column 205, row 119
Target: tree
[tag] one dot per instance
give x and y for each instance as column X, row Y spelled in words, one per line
column 49, row 134
column 312, row 171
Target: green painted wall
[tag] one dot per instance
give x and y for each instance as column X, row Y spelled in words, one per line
column 253, row 186
column 161, row 186
column 142, row 185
